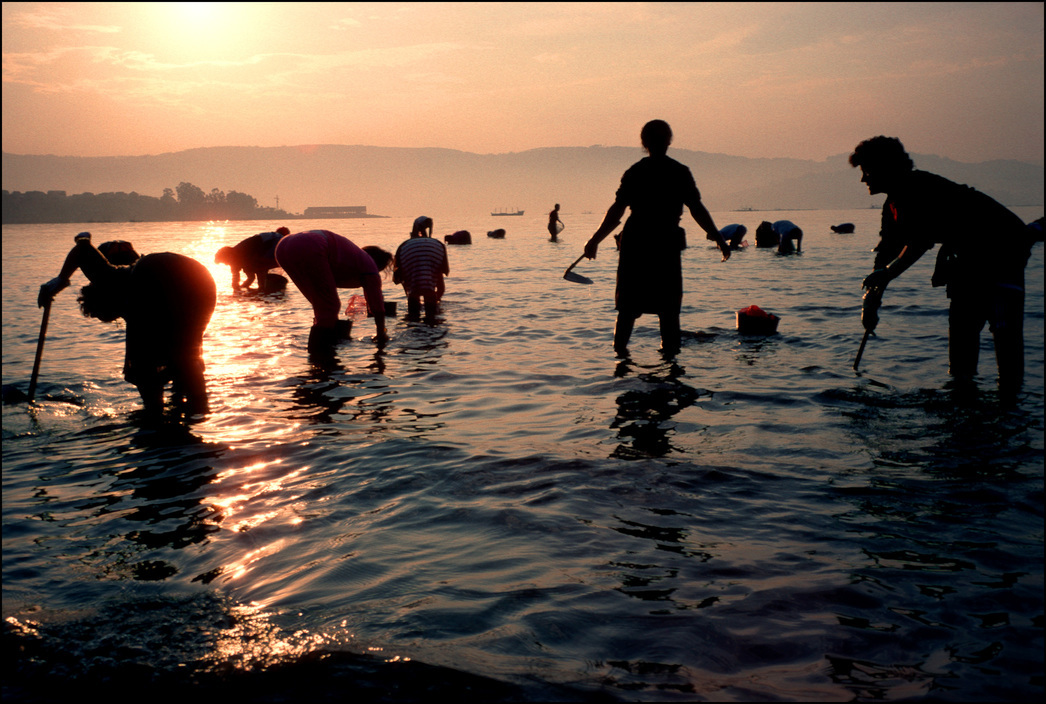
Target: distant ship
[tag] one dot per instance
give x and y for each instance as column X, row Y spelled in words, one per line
column 507, row 212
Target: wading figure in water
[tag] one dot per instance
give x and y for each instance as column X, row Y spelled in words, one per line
column 420, row 265
column 555, row 225
column 166, row 300
column 254, row 256
column 649, row 270
column 320, row 262
column 984, row 250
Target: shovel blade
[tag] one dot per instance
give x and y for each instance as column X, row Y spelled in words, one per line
column 576, row 278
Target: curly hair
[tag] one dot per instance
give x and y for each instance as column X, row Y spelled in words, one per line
column 102, row 301
column 882, row 154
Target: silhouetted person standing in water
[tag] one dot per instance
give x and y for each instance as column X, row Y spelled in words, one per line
column 984, row 249
column 555, row 225
column 166, row 301
column 649, row 270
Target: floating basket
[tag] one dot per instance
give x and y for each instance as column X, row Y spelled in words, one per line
column 753, row 320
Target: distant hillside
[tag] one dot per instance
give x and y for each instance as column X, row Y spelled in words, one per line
column 405, row 182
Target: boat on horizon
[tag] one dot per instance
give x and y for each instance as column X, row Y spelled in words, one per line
column 496, row 213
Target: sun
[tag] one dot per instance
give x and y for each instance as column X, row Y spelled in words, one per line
column 200, row 30
column 199, row 12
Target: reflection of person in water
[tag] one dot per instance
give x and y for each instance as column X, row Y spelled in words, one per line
column 253, row 256
column 644, row 414
column 166, row 300
column 650, row 271
column 984, row 277
column 320, row 262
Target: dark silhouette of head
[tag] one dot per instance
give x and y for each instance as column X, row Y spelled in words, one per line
column 282, row 231
column 884, row 163
column 107, row 300
column 381, row 257
column 656, row 136
column 884, row 154
column 225, row 255
column 118, row 252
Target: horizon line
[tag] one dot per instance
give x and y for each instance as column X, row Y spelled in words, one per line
column 461, row 151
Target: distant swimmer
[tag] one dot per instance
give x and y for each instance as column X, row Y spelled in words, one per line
column 166, row 301
column 555, row 225
column 459, row 237
column 253, row 256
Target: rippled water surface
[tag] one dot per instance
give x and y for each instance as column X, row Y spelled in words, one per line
column 496, row 501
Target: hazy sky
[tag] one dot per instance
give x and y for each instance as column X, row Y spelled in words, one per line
column 805, row 80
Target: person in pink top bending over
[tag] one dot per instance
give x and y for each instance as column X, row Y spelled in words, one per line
column 319, row 262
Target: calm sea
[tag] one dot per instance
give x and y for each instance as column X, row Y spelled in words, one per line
column 497, row 505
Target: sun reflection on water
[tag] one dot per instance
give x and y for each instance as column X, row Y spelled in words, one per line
column 253, row 640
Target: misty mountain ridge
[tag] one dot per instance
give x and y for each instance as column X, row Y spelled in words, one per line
column 403, row 181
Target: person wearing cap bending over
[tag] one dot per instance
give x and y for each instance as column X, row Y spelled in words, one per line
column 254, row 256
column 320, row 262
column 649, row 270
column 984, row 250
column 420, row 265
column 166, row 300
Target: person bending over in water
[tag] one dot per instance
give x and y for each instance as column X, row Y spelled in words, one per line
column 649, row 270
column 984, row 250
column 420, row 265
column 781, row 234
column 734, row 234
column 166, row 300
column 253, row 256
column 320, row 262
column 422, row 227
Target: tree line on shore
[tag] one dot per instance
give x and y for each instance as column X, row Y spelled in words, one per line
column 186, row 202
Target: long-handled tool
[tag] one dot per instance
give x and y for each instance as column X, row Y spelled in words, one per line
column 39, row 351
column 860, row 350
column 569, row 274
column 873, row 298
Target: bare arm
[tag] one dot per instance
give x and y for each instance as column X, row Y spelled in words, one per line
column 612, row 220
column 703, row 218
column 879, row 278
column 376, row 303
column 84, row 256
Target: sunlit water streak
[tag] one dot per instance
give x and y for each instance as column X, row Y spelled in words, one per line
column 498, row 494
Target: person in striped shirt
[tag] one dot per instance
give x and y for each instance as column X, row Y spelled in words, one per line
column 420, row 265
